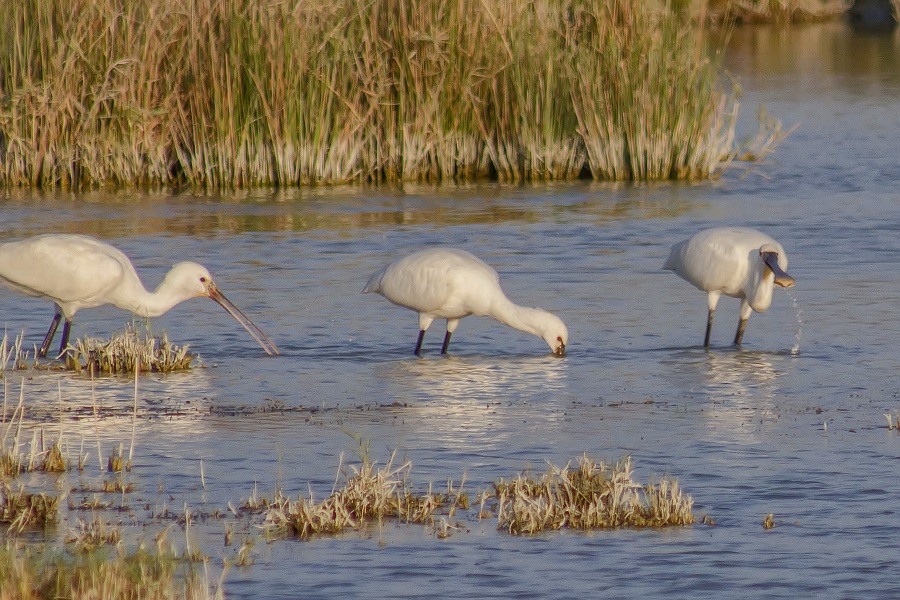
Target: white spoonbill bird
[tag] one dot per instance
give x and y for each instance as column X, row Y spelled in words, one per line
column 446, row 283
column 736, row 261
column 78, row 271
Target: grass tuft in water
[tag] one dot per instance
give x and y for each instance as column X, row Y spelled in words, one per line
column 22, row 510
column 369, row 493
column 128, row 352
column 595, row 495
column 91, row 535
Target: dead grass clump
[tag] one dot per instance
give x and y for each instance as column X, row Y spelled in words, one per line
column 117, row 461
column 40, row 458
column 32, row 573
column 127, row 352
column 22, row 510
column 369, row 493
column 595, row 495
column 53, row 460
column 90, row 535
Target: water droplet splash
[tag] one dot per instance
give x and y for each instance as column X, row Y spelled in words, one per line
column 798, row 312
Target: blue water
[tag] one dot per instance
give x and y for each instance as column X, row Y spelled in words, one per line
column 791, row 424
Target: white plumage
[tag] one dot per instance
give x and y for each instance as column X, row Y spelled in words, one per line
column 735, row 261
column 78, row 271
column 447, row 283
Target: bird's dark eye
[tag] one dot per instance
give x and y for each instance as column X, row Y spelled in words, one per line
column 203, row 280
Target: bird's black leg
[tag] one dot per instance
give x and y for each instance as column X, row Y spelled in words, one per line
column 418, row 350
column 42, row 352
column 739, row 336
column 709, row 322
column 446, row 343
column 67, row 326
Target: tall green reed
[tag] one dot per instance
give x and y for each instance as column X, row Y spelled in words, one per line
column 239, row 93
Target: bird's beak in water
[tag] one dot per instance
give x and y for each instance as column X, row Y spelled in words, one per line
column 560, row 350
column 241, row 318
column 781, row 278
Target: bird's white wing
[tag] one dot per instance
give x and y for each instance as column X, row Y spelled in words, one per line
column 65, row 268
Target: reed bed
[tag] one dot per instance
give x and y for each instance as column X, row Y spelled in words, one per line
column 595, row 495
column 369, row 493
column 129, row 352
column 240, row 93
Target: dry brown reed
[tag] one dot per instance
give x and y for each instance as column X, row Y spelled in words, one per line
column 217, row 93
column 40, row 456
column 369, row 493
column 11, row 353
column 88, row 536
column 30, row 573
column 595, row 495
column 23, row 510
column 129, row 352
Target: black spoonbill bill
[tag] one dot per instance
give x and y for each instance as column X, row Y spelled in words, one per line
column 736, row 261
column 446, row 283
column 78, row 271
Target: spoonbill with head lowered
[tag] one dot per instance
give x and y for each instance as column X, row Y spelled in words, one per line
column 78, row 271
column 736, row 261
column 446, row 283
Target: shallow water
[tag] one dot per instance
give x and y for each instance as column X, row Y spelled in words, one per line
column 791, row 424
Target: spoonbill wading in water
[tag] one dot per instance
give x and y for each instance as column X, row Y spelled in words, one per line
column 736, row 261
column 446, row 283
column 78, row 271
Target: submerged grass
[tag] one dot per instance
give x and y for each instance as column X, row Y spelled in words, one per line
column 223, row 93
column 595, row 495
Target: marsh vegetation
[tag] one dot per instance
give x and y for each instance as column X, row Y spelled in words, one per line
column 129, row 351
column 132, row 350
column 100, row 556
column 216, row 94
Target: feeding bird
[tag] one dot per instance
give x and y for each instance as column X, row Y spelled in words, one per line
column 736, row 261
column 78, row 271
column 447, row 283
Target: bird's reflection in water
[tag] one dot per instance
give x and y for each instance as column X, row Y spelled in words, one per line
column 468, row 400
column 743, row 390
column 81, row 407
column 741, row 373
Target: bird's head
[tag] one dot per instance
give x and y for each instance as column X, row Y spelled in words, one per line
column 555, row 334
column 193, row 280
column 776, row 261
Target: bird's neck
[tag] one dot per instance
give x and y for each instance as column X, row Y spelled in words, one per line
column 529, row 320
column 144, row 303
column 759, row 297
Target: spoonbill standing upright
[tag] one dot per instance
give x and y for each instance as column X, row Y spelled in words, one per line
column 78, row 271
column 447, row 283
column 736, row 261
